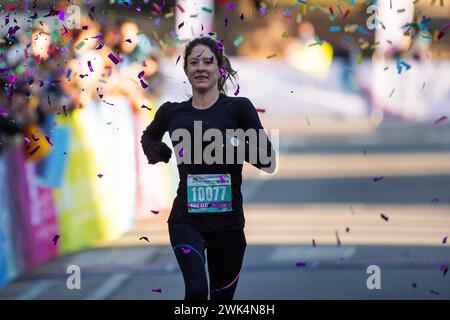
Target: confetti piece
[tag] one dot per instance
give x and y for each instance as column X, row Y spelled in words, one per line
column 345, row 15
column 178, row 59
column 414, row 285
column 180, row 25
column 300, row 264
column 49, row 141
column 444, row 270
column 34, row 138
column 242, row 16
column 378, row 178
column 34, row 150
column 145, row 107
column 222, row 180
column 27, row 141
column 100, row 45
column 143, row 84
column 80, row 45
column 392, row 92
column 385, row 218
column 434, row 292
column 285, row 35
column 144, row 238
column 141, row 74
column 206, row 9
column 271, row 56
column 441, row 119
column 444, row 241
column 347, row 229
column 55, row 239
column 238, row 41
column 90, row 66
column 359, row 58
column 337, row 237
column 180, row 8
column 226, row 22
column 157, row 290
column 237, row 91
column 335, row 28
column 113, row 58
column 181, row 152
column 260, row 110
column 154, row 211
column 186, row 251
column 69, row 72
column 99, row 175
column 314, row 243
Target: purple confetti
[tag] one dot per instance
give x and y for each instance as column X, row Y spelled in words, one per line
column 61, row 15
column 113, row 58
column 55, row 239
column 181, row 152
column 100, row 45
column 222, row 180
column 143, row 84
column 237, row 91
column 34, row 138
column 99, row 175
column 300, row 264
column 385, row 218
column 186, row 251
column 34, row 150
column 141, row 74
column 377, row 178
column 49, row 141
column 90, row 66
column 444, row 241
column 27, row 141
column 157, row 290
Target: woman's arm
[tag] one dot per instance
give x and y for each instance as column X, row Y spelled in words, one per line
column 154, row 149
column 259, row 151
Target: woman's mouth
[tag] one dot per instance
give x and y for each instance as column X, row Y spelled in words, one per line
column 201, row 78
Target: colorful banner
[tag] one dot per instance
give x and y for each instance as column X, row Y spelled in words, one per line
column 85, row 204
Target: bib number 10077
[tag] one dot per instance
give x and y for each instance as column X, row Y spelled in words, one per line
column 209, row 193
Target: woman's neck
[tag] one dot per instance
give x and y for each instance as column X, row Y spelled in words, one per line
column 204, row 100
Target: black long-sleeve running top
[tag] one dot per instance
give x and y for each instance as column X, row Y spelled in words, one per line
column 209, row 194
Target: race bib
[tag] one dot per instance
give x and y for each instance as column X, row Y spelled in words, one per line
column 209, row 193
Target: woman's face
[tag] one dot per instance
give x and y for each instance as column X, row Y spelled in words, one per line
column 202, row 69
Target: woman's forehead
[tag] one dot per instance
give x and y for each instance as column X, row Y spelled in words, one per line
column 201, row 51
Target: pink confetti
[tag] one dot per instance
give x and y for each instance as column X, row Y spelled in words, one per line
column 441, row 119
column 385, row 218
column 180, row 8
column 260, row 110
